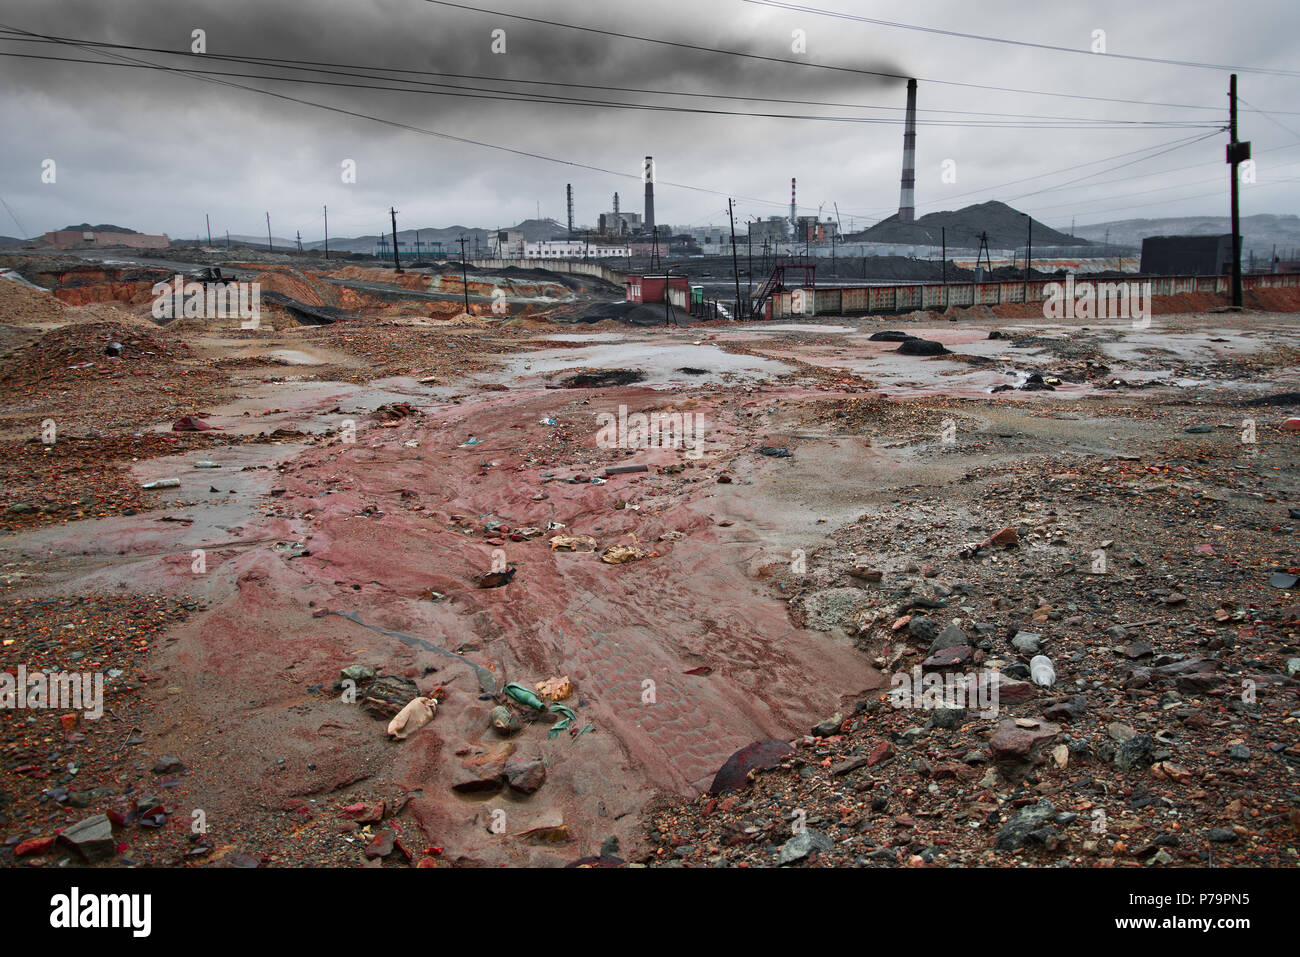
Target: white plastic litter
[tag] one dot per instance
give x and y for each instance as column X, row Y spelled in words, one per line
column 417, row 713
column 1041, row 671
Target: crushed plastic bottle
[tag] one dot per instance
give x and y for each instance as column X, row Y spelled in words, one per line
column 1041, row 671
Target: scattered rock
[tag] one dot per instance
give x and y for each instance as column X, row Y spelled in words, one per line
column 803, row 844
column 92, row 838
column 1015, row 833
column 761, row 755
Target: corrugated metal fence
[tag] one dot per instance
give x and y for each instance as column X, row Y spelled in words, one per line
column 850, row 300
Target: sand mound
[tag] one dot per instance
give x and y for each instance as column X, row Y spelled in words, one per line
column 21, row 305
column 63, row 357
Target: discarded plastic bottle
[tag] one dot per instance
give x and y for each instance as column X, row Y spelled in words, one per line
column 205, row 464
column 1041, row 671
column 163, row 483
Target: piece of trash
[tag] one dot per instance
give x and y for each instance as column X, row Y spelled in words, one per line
column 527, row 698
column 597, row 481
column 555, row 689
column 495, row 579
column 417, row 713
column 1041, row 671
column 771, row 452
column 626, row 469
column 163, row 483
column 505, row 721
column 622, row 554
column 469, row 442
column 703, row 671
column 205, row 464
column 1277, row 580
column 188, row 423
column 548, row 421
column 555, row 526
column 573, row 543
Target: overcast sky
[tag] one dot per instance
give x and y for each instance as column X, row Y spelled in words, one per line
column 155, row 150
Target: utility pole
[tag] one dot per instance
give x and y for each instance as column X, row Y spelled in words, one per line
column 327, row 231
column 735, row 264
column 464, row 274
column 749, row 251
column 1237, row 153
column 1029, row 254
column 227, row 240
column 397, row 263
column 943, row 235
column 668, row 302
column 208, row 219
column 269, row 245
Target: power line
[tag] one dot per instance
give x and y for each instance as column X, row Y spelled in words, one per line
column 802, row 63
column 288, row 63
column 397, row 124
column 1164, row 202
column 1186, row 141
column 1143, row 159
column 551, row 99
column 799, row 8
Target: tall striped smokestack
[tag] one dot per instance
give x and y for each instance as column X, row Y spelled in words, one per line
column 907, row 199
column 649, row 177
column 792, row 206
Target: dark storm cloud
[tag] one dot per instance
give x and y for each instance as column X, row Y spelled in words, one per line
column 156, row 151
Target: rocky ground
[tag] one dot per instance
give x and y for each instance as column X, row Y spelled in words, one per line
column 1118, row 501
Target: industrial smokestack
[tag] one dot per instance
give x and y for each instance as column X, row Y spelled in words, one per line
column 616, row 205
column 907, row 199
column 793, row 223
column 568, row 194
column 649, row 176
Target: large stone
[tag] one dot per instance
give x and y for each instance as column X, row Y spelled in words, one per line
column 483, row 772
column 923, row 629
column 950, row 637
column 1134, row 751
column 806, row 842
column 526, row 777
column 1072, row 709
column 92, row 838
column 1013, row 835
column 1027, row 643
column 948, row 658
column 1014, row 743
column 385, row 697
column 1011, row 690
column 922, row 347
column 734, row 773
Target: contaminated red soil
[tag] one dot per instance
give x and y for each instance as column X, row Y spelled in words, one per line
column 389, row 471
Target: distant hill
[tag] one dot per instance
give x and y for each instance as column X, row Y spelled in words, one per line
column 1007, row 228
column 1258, row 233
column 101, row 228
column 534, row 230
column 7, row 241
